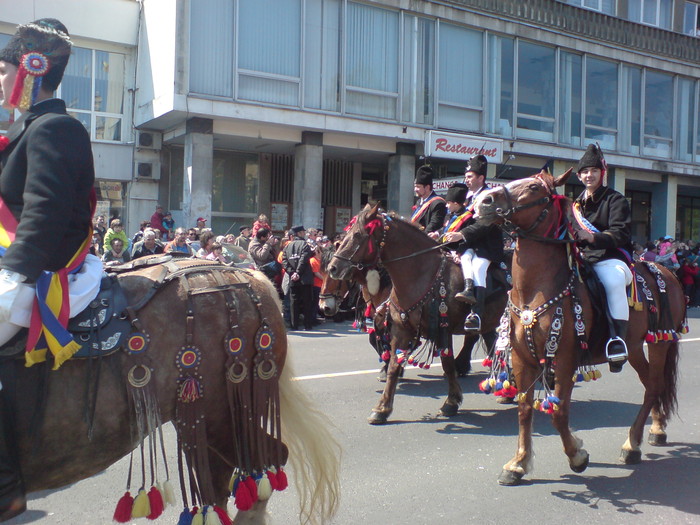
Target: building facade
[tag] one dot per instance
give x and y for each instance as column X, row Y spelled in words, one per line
column 306, row 109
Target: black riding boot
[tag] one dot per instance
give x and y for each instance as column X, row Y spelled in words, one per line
column 473, row 321
column 616, row 349
column 12, row 498
column 467, row 295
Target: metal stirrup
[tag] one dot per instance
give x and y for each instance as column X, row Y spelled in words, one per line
column 620, row 356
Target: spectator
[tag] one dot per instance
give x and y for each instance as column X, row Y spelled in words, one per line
column 206, row 240
column 116, row 229
column 148, row 246
column 295, row 260
column 217, row 253
column 649, row 254
column 157, row 221
column 179, row 244
column 138, row 236
column 260, row 222
column 229, row 238
column 201, row 223
column 116, row 254
column 243, row 240
column 315, row 262
column 100, row 229
column 687, row 273
column 168, row 222
column 192, row 235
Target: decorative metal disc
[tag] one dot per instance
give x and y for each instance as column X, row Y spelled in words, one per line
column 137, row 343
column 188, row 358
column 266, row 369
column 527, row 318
column 264, row 339
column 143, row 379
column 237, row 372
column 234, row 345
column 443, row 308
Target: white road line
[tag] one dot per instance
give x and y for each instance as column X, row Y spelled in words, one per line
column 374, row 371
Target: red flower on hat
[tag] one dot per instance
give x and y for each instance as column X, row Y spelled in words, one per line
column 4, row 142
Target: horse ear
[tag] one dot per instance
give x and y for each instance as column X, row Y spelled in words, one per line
column 375, row 210
column 561, row 179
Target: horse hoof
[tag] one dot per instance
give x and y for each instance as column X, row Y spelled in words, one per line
column 509, row 478
column 631, row 457
column 583, row 466
column 448, row 410
column 377, row 418
column 658, row 440
column 505, row 400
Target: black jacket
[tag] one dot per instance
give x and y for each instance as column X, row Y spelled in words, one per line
column 609, row 211
column 486, row 241
column 46, row 177
column 295, row 258
column 434, row 217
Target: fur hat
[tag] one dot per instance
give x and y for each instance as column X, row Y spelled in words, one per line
column 40, row 50
column 297, row 229
column 478, row 165
column 457, row 193
column 424, row 175
column 592, row 158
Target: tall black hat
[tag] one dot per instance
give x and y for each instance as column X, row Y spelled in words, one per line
column 40, row 50
column 478, row 165
column 424, row 175
column 298, row 229
column 592, row 158
column 457, row 193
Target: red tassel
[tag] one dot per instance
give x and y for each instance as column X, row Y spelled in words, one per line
column 122, row 514
column 282, row 479
column 223, row 515
column 252, row 488
column 386, row 355
column 242, row 498
column 272, row 477
column 18, row 87
column 155, row 498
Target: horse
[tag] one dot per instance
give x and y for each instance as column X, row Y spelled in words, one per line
column 337, row 296
column 421, row 302
column 197, row 324
column 551, row 323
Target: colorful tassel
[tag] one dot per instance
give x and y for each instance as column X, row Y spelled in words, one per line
column 155, row 500
column 198, row 518
column 242, row 497
column 142, row 507
column 185, row 517
column 223, row 515
column 168, row 493
column 264, row 488
column 252, row 488
column 282, row 479
column 272, row 478
column 211, row 517
column 122, row 513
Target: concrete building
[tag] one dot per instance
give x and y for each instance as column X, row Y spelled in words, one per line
column 306, row 109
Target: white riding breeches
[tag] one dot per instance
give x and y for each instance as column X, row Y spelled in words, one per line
column 615, row 277
column 474, row 267
column 83, row 287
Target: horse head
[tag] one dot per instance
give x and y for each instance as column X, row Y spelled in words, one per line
column 332, row 290
column 523, row 204
column 360, row 247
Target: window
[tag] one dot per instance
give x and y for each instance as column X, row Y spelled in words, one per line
column 536, row 91
column 685, row 111
column 691, row 19
column 269, row 51
column 658, row 114
column 372, row 73
column 501, row 85
column 93, row 88
column 322, row 54
column 601, row 103
column 234, row 189
column 211, row 66
column 418, row 66
column 570, row 98
column 4, row 114
column 652, row 12
column 460, row 78
column 630, row 109
column 604, row 6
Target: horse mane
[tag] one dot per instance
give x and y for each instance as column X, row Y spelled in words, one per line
column 326, row 256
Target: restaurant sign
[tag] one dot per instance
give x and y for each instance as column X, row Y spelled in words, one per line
column 462, row 147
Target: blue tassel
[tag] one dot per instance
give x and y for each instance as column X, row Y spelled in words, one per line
column 185, row 517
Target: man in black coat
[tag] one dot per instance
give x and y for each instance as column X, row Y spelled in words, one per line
column 46, row 183
column 606, row 242
column 296, row 262
column 480, row 245
column 430, row 210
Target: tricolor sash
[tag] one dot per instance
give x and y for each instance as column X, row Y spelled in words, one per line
column 586, row 225
column 418, row 212
column 51, row 309
column 457, row 222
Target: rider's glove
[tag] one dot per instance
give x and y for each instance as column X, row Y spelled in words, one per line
column 9, row 290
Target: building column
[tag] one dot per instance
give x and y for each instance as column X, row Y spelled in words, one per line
column 308, row 180
column 199, row 164
column 663, row 209
column 356, row 187
column 616, row 179
column 402, row 167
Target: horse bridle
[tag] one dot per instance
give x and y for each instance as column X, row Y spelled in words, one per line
column 360, row 265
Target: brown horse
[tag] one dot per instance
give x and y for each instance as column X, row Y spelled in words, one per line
column 549, row 307
column 418, row 303
column 204, row 304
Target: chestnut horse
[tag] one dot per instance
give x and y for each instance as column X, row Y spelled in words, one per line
column 70, row 446
column 552, row 319
column 418, row 268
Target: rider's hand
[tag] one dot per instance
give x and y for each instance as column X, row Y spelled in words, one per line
column 434, row 235
column 9, row 290
column 585, row 236
column 453, row 237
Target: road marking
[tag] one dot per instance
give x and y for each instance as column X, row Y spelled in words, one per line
column 374, row 371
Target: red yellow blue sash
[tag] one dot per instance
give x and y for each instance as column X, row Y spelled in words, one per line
column 51, row 309
column 419, row 211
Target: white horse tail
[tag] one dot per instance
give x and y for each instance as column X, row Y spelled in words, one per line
column 314, row 453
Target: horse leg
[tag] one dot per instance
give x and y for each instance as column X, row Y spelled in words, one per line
column 463, row 360
column 381, row 412
column 521, row 463
column 657, row 432
column 573, row 446
column 454, row 395
column 255, row 516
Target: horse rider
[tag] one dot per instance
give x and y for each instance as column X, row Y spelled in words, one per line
column 479, row 244
column 47, row 201
column 430, row 210
column 605, row 240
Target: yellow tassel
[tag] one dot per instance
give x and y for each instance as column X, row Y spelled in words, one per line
column 168, row 493
column 212, row 518
column 198, row 519
column 25, row 100
column 232, row 481
column 264, row 488
column 142, row 507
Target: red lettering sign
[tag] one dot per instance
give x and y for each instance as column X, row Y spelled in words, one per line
column 442, row 144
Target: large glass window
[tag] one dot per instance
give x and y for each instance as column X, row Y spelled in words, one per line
column 685, row 113
column 234, row 189
column 418, row 66
column 322, row 54
column 631, row 109
column 372, row 74
column 269, row 51
column 688, row 217
column 604, row 6
column 601, row 102
column 211, row 66
column 691, row 19
column 658, row 114
column 93, row 88
column 501, row 85
column 460, row 63
column 536, row 91
column 570, row 88
column 651, row 12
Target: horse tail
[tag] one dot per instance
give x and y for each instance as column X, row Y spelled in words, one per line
column 668, row 401
column 313, row 452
